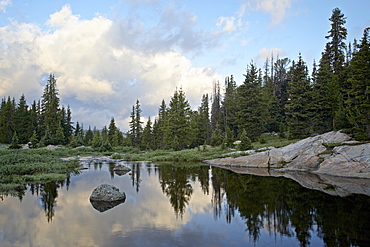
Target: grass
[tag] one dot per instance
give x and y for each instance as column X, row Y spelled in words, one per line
column 196, row 155
column 21, row 167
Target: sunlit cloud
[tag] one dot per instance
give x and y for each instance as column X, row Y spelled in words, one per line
column 103, row 65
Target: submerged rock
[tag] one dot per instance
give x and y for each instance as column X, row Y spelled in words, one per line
column 121, row 170
column 103, row 206
column 107, row 193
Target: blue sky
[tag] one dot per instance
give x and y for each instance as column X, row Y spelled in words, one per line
column 107, row 54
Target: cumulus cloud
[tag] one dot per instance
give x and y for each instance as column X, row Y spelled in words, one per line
column 103, row 66
column 4, row 4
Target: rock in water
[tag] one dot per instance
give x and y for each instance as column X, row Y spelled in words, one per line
column 121, row 170
column 107, row 193
column 103, row 206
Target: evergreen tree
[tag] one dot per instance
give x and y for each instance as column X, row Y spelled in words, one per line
column 159, row 128
column 22, row 120
column 216, row 106
column 323, row 102
column 15, row 142
column 97, row 140
column 337, row 36
column 34, row 118
column 358, row 102
column 177, row 123
column 104, row 133
column 246, row 143
column 50, row 107
column 297, row 108
column 33, row 143
column 112, row 133
column 89, row 136
column 203, row 123
column 59, row 138
column 7, row 125
column 280, row 82
column 216, row 138
column 136, row 129
column 66, row 123
column 147, row 140
column 250, row 107
column 230, row 108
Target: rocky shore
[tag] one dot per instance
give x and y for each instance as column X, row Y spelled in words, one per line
column 330, row 162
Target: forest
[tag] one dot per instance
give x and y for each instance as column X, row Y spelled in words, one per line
column 281, row 97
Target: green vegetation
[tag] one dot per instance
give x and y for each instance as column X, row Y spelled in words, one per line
column 22, row 167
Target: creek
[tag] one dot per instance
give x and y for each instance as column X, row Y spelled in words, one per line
column 182, row 204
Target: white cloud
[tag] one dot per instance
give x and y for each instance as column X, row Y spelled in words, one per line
column 276, row 8
column 267, row 53
column 4, row 4
column 102, row 66
column 228, row 24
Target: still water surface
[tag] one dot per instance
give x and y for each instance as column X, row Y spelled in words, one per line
column 183, row 205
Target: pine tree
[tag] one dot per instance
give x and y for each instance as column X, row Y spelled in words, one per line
column 217, row 138
column 250, row 107
column 159, row 127
column 97, row 140
column 33, row 143
column 203, row 123
column 22, row 120
column 50, row 107
column 7, row 125
column 89, row 136
column 246, row 143
column 337, row 36
column 229, row 108
column 358, row 103
column 216, row 106
column 112, row 133
column 147, row 140
column 280, row 82
column 177, row 123
column 322, row 106
column 136, row 129
column 59, row 138
column 297, row 108
column 15, row 142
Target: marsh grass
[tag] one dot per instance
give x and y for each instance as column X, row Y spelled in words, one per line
column 21, row 167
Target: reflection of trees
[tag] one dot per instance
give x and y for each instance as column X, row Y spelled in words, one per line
column 49, row 193
column 175, row 183
column 135, row 175
column 285, row 208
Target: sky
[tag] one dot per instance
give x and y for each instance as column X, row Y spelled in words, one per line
column 107, row 54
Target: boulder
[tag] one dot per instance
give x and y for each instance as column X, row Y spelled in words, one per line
column 121, row 170
column 107, row 193
column 310, row 146
column 103, row 206
column 347, row 161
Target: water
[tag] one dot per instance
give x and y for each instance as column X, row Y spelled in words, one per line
column 183, row 205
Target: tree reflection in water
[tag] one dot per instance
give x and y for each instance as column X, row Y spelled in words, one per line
column 49, row 193
column 285, row 208
column 278, row 206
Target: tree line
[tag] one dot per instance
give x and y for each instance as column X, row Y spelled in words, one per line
column 281, row 97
